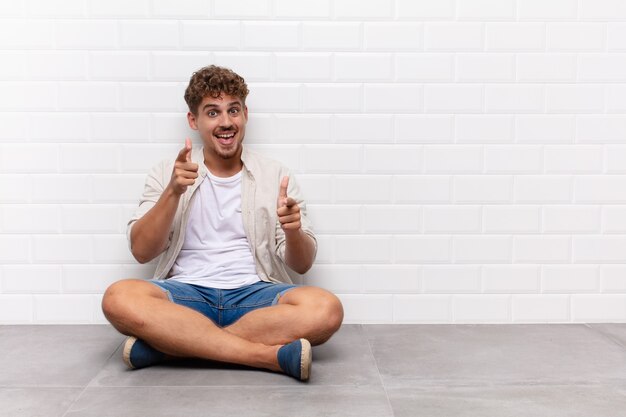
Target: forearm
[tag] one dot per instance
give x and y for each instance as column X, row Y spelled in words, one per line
column 149, row 235
column 299, row 251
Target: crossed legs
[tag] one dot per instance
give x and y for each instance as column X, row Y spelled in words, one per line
column 141, row 309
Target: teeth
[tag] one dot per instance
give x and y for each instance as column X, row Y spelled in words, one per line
column 226, row 136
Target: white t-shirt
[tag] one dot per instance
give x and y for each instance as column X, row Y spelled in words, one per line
column 216, row 252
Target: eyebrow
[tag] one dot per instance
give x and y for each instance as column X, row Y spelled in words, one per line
column 215, row 105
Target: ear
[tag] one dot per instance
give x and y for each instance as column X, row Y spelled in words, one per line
column 245, row 112
column 191, row 118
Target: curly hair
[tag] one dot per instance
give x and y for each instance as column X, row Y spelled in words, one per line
column 212, row 81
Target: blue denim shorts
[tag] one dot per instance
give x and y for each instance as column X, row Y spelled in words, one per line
column 223, row 306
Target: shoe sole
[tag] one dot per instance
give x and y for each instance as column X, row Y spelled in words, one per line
column 306, row 359
column 128, row 345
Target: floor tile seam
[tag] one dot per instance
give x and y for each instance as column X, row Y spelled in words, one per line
column 453, row 384
column 607, row 336
column 380, row 377
column 43, row 386
column 241, row 386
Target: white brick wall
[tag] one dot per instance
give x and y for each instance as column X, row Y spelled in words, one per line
column 464, row 161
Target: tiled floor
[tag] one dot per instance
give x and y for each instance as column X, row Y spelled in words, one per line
column 364, row 370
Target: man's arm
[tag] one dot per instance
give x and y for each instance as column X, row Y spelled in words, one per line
column 299, row 246
column 149, row 234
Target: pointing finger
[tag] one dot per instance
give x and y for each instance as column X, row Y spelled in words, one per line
column 283, row 188
column 185, row 154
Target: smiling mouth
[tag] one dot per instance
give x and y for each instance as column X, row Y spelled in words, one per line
column 226, row 139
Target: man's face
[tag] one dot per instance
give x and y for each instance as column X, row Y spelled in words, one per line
column 221, row 123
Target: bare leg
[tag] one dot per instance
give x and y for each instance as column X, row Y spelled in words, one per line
column 309, row 312
column 140, row 309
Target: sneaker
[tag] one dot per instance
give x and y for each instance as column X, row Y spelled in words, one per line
column 295, row 359
column 138, row 354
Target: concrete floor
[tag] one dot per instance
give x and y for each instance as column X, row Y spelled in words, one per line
column 364, row 370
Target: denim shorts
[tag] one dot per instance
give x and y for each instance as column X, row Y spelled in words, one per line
column 223, row 306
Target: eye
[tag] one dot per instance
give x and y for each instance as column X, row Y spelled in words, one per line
column 211, row 113
column 234, row 110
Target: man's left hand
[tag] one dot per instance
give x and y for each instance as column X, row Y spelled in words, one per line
column 288, row 210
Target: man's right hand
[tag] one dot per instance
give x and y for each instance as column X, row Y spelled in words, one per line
column 185, row 172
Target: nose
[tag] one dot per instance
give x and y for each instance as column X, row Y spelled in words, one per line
column 225, row 121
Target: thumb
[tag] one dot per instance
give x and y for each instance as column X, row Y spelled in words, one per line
column 188, row 147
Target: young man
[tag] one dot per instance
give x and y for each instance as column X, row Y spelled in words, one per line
column 225, row 222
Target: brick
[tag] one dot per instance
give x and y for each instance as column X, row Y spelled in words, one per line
column 14, row 65
column 514, row 159
column 92, row 218
column 318, row 188
column 565, row 279
column 424, row 129
column 422, row 249
column 453, row 159
column 616, row 37
column 16, row 309
column 15, row 188
column 335, row 219
column 119, row 65
column 256, row 66
column 112, row 127
column 461, row 98
column 600, row 189
column 32, row 218
column 89, row 279
column 451, row 279
column 302, row 9
column 578, row 98
column 616, row 99
column 89, row 158
column 69, row 8
column 303, row 66
column 614, row 219
column 511, row 219
column 424, row 67
column 484, row 128
column 481, row 308
column 273, row 35
column 392, row 159
column 118, row 8
column 111, row 248
column 86, row 34
column 62, row 249
column 540, row 249
column 30, row 96
column 453, row 36
column 242, row 8
column 390, row 279
column 601, row 128
column 542, row 189
column 576, row 37
column 63, row 308
column 289, row 155
column 452, row 219
column 482, row 189
column 152, row 97
column 602, row 9
column 482, row 249
column 58, row 127
column 171, row 128
column 371, row 128
column 486, row 10
column 514, row 98
column 508, row 36
column 602, row 67
column 485, row 67
column 367, row 308
column 31, row 279
column 361, row 249
column 422, row 189
column 363, row 188
column 301, row 129
column 325, row 249
column 211, row 35
column 27, row 33
column 602, row 249
column 576, row 159
column 331, row 158
column 424, row 9
column 422, row 308
column 384, row 98
column 391, row 219
column 331, row 98
column 14, row 249
column 333, row 36
column 12, row 126
column 612, row 278
column 140, row 158
column 335, row 278
column 540, row 308
column 546, row 67
column 363, row 66
column 259, row 128
column 348, row 9
column 192, row 9
column 29, row 158
column 124, row 188
column 283, row 97
column 80, row 96
column 544, row 128
column 553, row 10
column 583, row 219
column 61, row 188
column 598, row 308
column 510, row 278
column 394, row 36
column 177, row 66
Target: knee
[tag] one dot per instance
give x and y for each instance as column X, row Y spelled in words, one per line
column 117, row 307
column 330, row 317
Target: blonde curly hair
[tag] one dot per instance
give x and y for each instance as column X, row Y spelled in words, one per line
column 212, row 81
